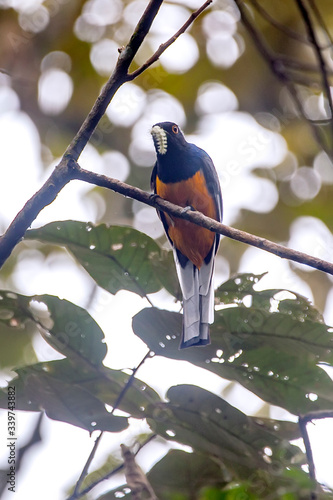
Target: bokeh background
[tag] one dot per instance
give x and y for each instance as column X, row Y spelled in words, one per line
column 276, row 178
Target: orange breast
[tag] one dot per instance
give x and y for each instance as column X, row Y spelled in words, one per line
column 193, row 241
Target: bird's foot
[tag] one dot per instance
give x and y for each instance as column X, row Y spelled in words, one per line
column 188, row 209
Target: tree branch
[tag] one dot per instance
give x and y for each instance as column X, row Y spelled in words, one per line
column 279, row 26
column 118, row 77
column 62, row 174
column 303, row 420
column 76, row 172
column 68, row 169
column 201, row 220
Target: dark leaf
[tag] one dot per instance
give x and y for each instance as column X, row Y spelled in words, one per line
column 72, row 330
column 207, row 423
column 37, row 388
column 68, row 328
column 272, row 354
column 99, row 382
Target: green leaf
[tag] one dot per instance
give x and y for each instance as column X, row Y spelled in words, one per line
column 37, row 388
column 234, row 491
column 68, row 328
column 241, row 286
column 116, row 257
column 272, row 354
column 207, row 423
column 177, row 475
column 71, row 330
column 16, row 332
column 102, row 383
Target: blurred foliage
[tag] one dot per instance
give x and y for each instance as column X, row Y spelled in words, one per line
column 270, row 343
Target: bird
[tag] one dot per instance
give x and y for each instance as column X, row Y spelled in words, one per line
column 185, row 175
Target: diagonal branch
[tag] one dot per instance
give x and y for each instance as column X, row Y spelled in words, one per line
column 118, row 77
column 40, row 200
column 63, row 172
column 201, row 220
column 68, row 169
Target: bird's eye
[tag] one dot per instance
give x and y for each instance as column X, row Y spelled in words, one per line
column 175, row 129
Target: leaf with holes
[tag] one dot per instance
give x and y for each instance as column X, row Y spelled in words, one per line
column 116, row 257
column 111, row 387
column 64, row 400
column 241, row 287
column 272, row 354
column 207, row 423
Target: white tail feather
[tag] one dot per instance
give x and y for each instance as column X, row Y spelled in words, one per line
column 198, row 301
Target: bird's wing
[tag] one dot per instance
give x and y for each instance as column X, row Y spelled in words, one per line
column 213, row 184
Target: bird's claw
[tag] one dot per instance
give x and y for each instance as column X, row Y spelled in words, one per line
column 188, row 209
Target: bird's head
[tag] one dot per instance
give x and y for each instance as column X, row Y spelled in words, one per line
column 167, row 138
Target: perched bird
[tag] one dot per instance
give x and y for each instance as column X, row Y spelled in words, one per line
column 185, row 175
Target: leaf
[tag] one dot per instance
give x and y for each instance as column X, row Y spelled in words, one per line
column 164, row 266
column 67, row 327
column 178, row 473
column 37, row 389
column 74, row 390
column 241, row 286
column 117, row 258
column 72, row 330
column 273, row 355
column 16, row 332
column 102, row 383
column 207, row 423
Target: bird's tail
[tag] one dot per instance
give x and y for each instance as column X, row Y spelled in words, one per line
column 198, row 302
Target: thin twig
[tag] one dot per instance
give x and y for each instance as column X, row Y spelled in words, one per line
column 154, row 201
column 77, row 494
column 171, row 40
column 114, row 471
column 308, row 450
column 130, row 380
column 278, row 70
column 303, row 420
column 321, row 22
column 85, row 469
column 317, row 415
column 281, row 27
column 313, row 39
